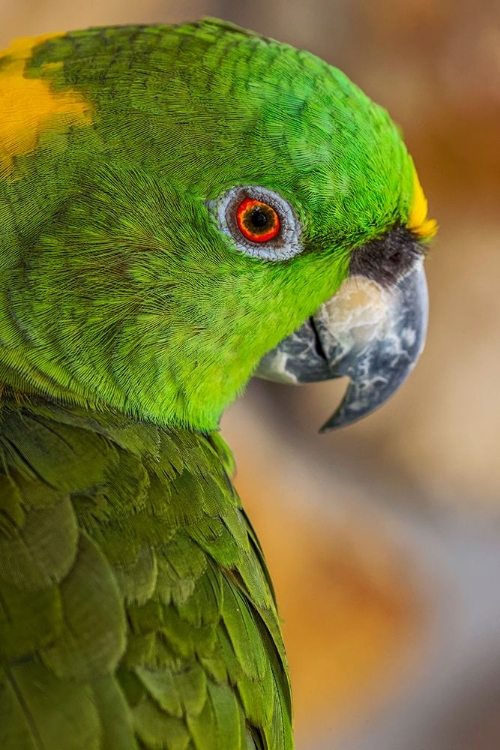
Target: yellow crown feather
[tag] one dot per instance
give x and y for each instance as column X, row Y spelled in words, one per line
column 418, row 222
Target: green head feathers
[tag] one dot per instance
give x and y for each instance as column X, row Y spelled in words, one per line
column 126, row 280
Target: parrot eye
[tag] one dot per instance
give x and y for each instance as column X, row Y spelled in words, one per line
column 259, row 221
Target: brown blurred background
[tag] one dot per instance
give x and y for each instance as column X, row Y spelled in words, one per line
column 384, row 539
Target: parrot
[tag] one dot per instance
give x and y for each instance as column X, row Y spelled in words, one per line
column 181, row 208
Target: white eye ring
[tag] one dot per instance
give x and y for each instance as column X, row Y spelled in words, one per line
column 286, row 244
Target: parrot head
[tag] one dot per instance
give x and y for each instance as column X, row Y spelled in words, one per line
column 183, row 207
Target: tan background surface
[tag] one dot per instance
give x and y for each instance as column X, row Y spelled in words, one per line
column 384, row 539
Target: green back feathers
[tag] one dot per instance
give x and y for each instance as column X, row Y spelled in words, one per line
column 135, row 611
column 118, row 287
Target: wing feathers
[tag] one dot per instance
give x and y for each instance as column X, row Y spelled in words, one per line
column 135, row 607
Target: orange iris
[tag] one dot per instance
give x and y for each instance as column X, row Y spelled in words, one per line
column 257, row 221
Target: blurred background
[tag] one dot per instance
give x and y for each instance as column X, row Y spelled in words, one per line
column 384, row 539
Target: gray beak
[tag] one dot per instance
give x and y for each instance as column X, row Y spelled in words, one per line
column 372, row 330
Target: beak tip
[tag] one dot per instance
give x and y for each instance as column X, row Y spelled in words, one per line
column 340, row 419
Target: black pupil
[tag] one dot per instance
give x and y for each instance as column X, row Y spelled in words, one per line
column 259, row 218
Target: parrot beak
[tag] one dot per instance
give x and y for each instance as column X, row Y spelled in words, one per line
column 372, row 330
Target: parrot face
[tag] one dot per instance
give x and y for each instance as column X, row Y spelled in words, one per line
column 183, row 200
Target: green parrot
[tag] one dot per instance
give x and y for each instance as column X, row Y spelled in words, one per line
column 181, row 207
